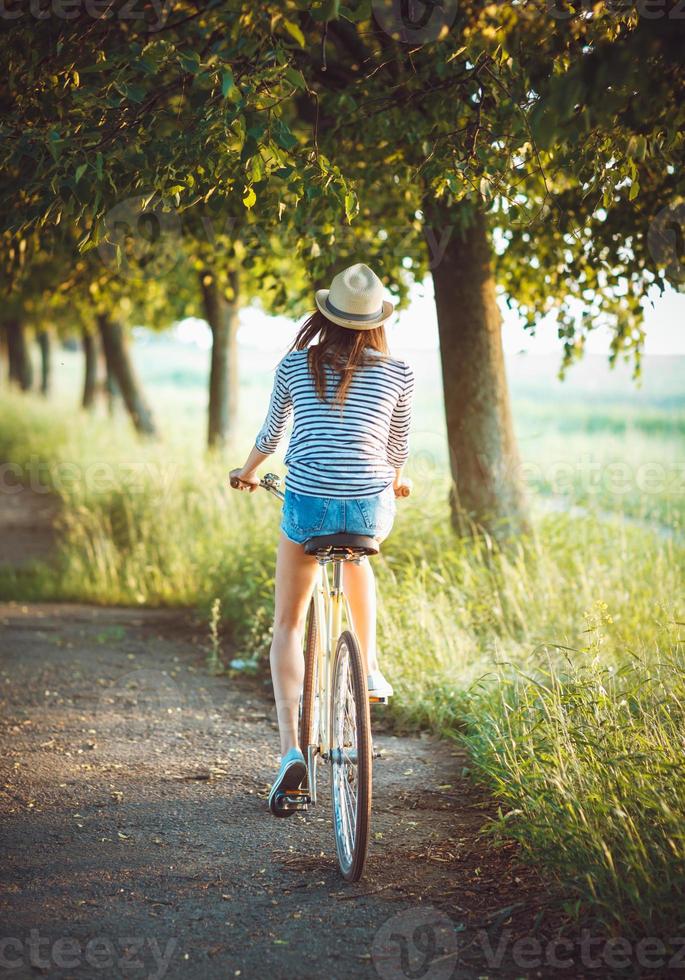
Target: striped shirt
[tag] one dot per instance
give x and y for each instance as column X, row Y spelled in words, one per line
column 334, row 452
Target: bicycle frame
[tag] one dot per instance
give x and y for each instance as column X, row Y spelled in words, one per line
column 330, row 605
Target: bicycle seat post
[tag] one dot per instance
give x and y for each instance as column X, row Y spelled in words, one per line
column 337, row 576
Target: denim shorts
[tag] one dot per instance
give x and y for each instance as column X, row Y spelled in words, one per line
column 305, row 516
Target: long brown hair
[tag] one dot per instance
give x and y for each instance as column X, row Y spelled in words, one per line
column 342, row 348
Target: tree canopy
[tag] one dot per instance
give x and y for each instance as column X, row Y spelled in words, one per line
column 321, row 124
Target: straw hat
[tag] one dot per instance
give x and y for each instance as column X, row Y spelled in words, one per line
column 355, row 299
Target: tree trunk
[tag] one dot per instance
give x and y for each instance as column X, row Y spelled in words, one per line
column 111, row 388
column 222, row 316
column 120, row 366
column 20, row 366
column 90, row 375
column 4, row 355
column 45, row 344
column 487, row 491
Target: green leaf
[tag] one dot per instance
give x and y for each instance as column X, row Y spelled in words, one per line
column 637, row 147
column 136, row 93
column 227, row 82
column 249, row 197
column 54, row 144
column 256, row 168
column 283, row 135
column 147, row 64
column 362, row 11
column 329, row 10
column 190, row 61
column 295, row 77
column 98, row 165
column 238, row 127
column 256, row 128
column 543, row 123
column 351, row 205
column 80, row 172
column 634, row 190
column 295, row 31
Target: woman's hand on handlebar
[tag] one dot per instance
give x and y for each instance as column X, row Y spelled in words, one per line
column 241, row 479
column 402, row 487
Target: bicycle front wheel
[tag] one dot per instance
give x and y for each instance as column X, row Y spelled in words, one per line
column 351, row 757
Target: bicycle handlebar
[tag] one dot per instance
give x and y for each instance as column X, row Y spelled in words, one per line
column 272, row 482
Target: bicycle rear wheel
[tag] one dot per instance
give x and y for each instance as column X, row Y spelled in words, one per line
column 351, row 757
column 309, row 704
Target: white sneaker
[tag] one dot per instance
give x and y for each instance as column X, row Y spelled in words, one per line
column 378, row 686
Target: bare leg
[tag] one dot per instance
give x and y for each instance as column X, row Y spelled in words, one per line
column 295, row 576
column 360, row 589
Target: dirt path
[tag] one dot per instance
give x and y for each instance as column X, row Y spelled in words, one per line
column 137, row 842
column 134, row 819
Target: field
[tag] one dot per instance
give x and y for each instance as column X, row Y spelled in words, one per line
column 559, row 661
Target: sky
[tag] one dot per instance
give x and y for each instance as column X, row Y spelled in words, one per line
column 416, row 328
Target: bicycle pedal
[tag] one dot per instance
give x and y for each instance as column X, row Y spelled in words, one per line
column 293, row 800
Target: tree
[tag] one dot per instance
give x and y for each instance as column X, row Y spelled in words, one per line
column 20, row 367
column 221, row 314
column 484, row 458
column 539, row 124
column 128, row 126
column 321, row 115
column 120, row 367
column 611, row 188
column 44, row 338
column 99, row 110
column 90, row 373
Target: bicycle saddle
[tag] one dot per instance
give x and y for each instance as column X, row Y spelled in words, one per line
column 340, row 545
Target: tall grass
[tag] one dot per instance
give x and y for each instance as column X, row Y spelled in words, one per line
column 558, row 660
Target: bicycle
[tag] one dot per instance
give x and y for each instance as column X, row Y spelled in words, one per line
column 335, row 720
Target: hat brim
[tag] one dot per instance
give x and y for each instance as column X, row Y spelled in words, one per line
column 320, row 297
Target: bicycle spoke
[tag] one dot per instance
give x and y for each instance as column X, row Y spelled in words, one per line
column 349, row 809
column 351, row 795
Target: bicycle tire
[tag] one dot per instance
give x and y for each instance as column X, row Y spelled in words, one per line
column 350, row 684
column 309, row 689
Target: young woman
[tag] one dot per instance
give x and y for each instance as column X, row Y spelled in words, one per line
column 352, row 404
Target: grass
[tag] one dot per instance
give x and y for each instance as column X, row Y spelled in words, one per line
column 559, row 661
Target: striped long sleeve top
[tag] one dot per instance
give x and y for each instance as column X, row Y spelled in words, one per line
column 351, row 451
